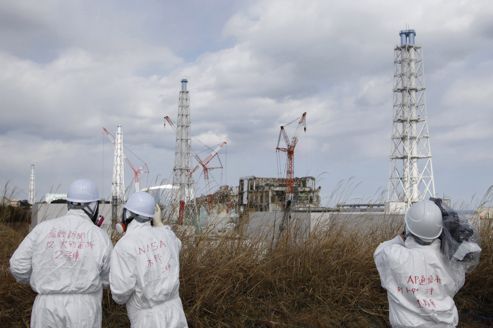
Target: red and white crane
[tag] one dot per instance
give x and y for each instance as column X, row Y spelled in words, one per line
column 201, row 162
column 204, row 163
column 136, row 173
column 288, row 148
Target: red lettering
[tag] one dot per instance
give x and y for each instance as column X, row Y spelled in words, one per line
column 151, row 247
column 410, row 280
column 428, row 303
column 167, row 268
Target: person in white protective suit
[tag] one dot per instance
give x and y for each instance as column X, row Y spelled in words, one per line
column 145, row 267
column 420, row 280
column 67, row 260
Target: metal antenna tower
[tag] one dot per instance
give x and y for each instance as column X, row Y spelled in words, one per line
column 411, row 169
column 117, row 184
column 181, row 171
column 32, row 194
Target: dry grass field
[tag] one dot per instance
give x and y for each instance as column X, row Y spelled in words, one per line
column 329, row 280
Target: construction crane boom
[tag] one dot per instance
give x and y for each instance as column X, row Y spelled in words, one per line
column 136, row 173
column 169, row 120
column 203, row 163
column 288, row 148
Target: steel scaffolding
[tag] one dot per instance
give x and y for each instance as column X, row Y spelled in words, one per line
column 411, row 169
column 182, row 177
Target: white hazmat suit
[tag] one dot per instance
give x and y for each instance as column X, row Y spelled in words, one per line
column 66, row 261
column 145, row 275
column 420, row 282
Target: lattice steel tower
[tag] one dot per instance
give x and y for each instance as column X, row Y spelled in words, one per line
column 32, row 191
column 117, row 183
column 411, row 169
column 181, row 171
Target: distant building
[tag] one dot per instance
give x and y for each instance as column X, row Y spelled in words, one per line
column 6, row 201
column 55, row 198
column 269, row 194
column 225, row 198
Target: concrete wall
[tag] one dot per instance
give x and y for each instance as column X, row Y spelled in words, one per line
column 266, row 225
column 356, row 221
column 43, row 211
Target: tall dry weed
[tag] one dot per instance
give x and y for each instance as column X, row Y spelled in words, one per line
column 326, row 280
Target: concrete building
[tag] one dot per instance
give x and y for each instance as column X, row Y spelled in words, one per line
column 269, row 194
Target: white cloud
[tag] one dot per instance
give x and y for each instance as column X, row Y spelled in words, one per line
column 81, row 67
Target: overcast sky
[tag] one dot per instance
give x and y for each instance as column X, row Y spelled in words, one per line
column 69, row 68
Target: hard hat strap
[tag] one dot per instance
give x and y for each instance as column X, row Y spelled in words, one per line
column 91, row 213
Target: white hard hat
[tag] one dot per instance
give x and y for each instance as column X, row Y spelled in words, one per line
column 424, row 220
column 141, row 203
column 82, row 191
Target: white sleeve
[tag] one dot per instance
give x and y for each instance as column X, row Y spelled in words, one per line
column 122, row 276
column 177, row 240
column 397, row 240
column 106, row 262
column 21, row 260
column 381, row 258
column 172, row 237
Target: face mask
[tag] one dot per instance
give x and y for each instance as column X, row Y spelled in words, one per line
column 127, row 217
column 121, row 228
